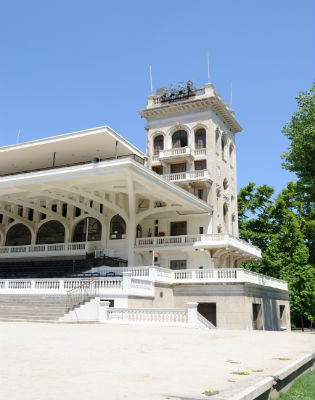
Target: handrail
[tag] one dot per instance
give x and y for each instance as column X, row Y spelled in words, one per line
column 80, row 294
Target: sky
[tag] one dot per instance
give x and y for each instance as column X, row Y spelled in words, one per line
column 73, row 65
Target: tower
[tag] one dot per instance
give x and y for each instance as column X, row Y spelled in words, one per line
column 191, row 142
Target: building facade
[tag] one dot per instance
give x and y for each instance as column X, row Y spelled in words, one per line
column 89, row 198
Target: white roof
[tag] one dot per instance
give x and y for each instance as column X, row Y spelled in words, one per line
column 70, row 148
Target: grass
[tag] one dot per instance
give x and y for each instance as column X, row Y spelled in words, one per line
column 302, row 389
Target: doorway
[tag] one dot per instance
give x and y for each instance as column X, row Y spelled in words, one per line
column 178, row 228
column 208, row 311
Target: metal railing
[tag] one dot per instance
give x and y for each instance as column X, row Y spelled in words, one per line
column 132, row 156
column 85, row 291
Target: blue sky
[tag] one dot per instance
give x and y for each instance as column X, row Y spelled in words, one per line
column 71, row 65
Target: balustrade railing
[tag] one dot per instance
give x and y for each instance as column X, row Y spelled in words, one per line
column 219, row 239
column 178, row 151
column 187, row 175
column 77, row 248
column 147, row 315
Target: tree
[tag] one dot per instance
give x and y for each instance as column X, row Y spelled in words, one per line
column 284, row 227
column 300, row 157
column 274, row 226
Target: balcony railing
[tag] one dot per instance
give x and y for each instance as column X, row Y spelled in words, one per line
column 200, row 152
column 213, row 275
column 175, row 152
column 41, row 250
column 198, row 175
column 218, row 240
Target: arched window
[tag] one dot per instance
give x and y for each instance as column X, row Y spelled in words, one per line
column 51, row 232
column 200, row 139
column 217, row 136
column 225, row 214
column 158, row 144
column 225, row 184
column 117, row 227
column 179, row 139
column 18, row 235
column 89, row 229
column 223, row 147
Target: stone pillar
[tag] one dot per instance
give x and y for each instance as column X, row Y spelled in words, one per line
column 192, row 313
column 126, row 280
column 103, row 308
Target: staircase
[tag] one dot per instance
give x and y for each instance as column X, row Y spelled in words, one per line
column 32, row 308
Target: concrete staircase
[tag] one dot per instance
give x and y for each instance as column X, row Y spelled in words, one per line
column 32, row 308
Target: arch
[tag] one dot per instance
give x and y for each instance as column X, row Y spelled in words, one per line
column 225, row 215
column 224, row 147
column 117, row 227
column 179, row 139
column 217, row 141
column 200, row 138
column 225, row 184
column 87, row 230
column 158, row 144
column 51, row 232
column 18, row 235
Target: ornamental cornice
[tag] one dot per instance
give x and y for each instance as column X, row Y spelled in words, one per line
column 197, row 104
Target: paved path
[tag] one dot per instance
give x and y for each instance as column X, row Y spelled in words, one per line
column 117, row 362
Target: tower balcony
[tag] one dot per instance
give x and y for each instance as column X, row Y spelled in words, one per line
column 189, row 176
column 173, row 155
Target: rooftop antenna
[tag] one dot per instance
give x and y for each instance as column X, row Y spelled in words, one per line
column 208, row 61
column 231, row 96
column 18, row 136
column 151, row 85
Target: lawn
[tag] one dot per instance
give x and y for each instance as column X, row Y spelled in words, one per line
column 302, row 389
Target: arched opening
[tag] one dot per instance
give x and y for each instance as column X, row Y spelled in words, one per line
column 200, row 139
column 225, row 216
column 158, row 144
column 117, row 227
column 223, row 147
column 87, row 230
column 225, row 184
column 217, row 136
column 179, row 139
column 51, row 232
column 139, row 231
column 18, row 235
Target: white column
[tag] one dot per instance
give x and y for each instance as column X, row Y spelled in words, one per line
column 131, row 227
column 127, row 280
column 103, row 308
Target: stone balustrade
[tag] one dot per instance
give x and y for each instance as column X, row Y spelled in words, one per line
column 197, row 175
column 217, row 240
column 214, row 275
column 126, row 285
column 147, row 316
column 44, row 250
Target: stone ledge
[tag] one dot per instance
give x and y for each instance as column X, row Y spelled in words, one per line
column 260, row 388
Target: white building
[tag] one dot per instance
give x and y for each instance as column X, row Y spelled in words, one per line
column 89, row 198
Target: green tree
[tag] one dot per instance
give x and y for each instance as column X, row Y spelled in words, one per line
column 275, row 226
column 284, row 227
column 300, row 157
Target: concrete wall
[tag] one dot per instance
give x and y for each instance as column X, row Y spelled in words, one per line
column 234, row 303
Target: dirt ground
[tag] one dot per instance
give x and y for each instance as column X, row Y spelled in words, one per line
column 117, row 362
